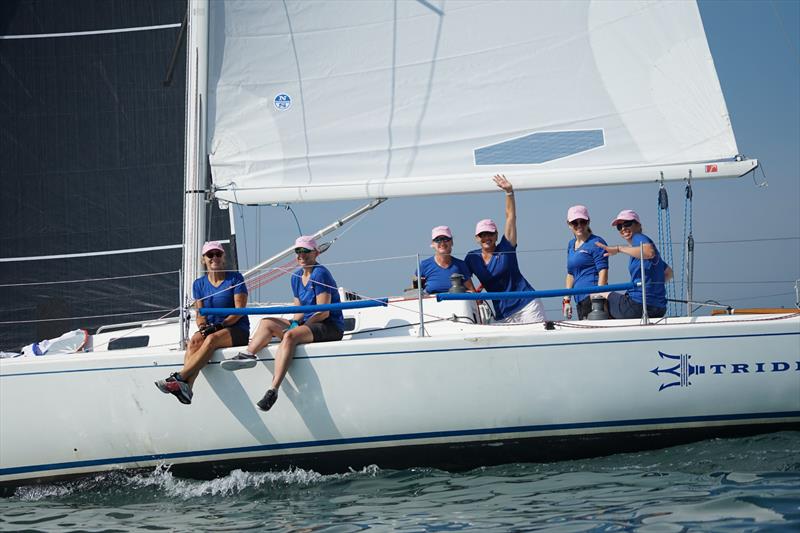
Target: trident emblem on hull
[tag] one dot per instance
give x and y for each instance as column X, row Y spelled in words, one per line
column 681, row 371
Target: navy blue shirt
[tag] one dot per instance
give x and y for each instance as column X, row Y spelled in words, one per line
column 585, row 263
column 320, row 281
column 654, row 270
column 501, row 274
column 221, row 296
column 437, row 279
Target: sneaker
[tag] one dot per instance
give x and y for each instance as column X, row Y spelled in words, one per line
column 176, row 386
column 239, row 361
column 268, row 400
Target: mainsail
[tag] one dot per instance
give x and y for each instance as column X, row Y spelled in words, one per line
column 316, row 100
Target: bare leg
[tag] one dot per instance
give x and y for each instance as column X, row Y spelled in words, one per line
column 197, row 359
column 285, row 353
column 194, row 344
column 267, row 328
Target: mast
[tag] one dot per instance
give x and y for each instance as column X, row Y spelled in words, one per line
column 195, row 151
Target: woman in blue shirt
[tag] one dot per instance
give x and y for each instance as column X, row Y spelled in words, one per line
column 587, row 264
column 656, row 271
column 217, row 288
column 436, row 270
column 312, row 284
column 495, row 265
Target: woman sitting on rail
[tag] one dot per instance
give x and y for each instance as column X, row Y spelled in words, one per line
column 495, row 265
column 312, row 284
column 217, row 288
column 656, row 271
column 587, row 265
column 436, row 270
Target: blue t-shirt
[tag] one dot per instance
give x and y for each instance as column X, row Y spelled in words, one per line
column 437, row 279
column 653, row 274
column 500, row 275
column 585, row 263
column 321, row 281
column 221, row 296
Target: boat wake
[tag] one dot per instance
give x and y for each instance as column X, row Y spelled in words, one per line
column 237, row 482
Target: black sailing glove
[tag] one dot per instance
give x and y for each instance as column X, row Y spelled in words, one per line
column 211, row 328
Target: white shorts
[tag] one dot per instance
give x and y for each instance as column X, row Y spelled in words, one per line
column 530, row 314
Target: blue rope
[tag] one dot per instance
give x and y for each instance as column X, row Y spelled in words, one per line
column 665, row 243
column 668, row 258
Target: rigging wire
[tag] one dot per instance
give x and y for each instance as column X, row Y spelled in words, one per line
column 8, row 322
column 87, row 280
column 287, row 207
column 763, row 184
column 687, row 256
column 791, row 44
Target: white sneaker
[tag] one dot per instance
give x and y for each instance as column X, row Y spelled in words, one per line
column 239, row 361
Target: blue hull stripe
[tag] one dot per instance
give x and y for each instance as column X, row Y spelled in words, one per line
column 397, row 438
column 413, row 352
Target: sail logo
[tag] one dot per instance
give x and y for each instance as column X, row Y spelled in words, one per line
column 712, row 168
column 282, row 101
column 679, row 370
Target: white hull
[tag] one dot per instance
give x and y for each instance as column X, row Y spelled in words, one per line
column 464, row 385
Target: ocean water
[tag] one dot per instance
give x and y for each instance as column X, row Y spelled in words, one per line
column 746, row 484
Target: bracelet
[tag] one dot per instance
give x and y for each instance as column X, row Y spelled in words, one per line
column 510, row 193
column 618, row 249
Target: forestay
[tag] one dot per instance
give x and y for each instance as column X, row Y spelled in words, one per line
column 350, row 99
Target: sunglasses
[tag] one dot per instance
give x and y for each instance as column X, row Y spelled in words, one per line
column 578, row 222
column 485, row 234
column 214, row 254
column 442, row 239
column 299, row 251
column 626, row 224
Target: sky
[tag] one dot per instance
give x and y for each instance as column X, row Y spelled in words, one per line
column 747, row 237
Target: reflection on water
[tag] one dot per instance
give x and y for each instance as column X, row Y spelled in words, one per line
column 737, row 484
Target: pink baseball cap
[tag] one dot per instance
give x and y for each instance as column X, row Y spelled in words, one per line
column 626, row 214
column 487, row 224
column 306, row 241
column 212, row 245
column 577, row 211
column 441, row 231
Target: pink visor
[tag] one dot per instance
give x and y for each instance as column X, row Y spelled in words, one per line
column 626, row 214
column 211, row 245
column 577, row 212
column 306, row 241
column 441, row 231
column 486, row 224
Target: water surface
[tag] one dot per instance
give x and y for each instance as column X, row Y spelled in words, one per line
column 747, row 484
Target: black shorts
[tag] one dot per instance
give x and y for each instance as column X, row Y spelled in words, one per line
column 325, row 331
column 239, row 336
column 623, row 306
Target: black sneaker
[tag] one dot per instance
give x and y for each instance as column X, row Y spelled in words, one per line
column 239, row 361
column 176, row 386
column 268, row 400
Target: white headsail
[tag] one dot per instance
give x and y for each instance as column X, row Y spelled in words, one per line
column 316, row 100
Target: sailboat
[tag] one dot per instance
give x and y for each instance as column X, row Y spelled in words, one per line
column 312, row 101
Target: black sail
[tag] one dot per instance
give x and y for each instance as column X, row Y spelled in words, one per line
column 91, row 164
